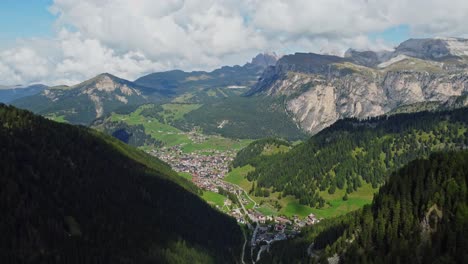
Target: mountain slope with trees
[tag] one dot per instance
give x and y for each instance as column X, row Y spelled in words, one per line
column 352, row 151
column 73, row 195
column 419, row 216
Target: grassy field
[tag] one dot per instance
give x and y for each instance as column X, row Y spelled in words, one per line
column 168, row 134
column 172, row 136
column 267, row 210
column 238, row 176
column 290, row 206
column 57, row 118
column 177, row 111
column 216, row 143
column 274, row 149
column 214, row 198
column 356, row 200
column 186, row 175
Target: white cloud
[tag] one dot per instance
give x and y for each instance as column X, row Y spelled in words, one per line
column 131, row 38
column 70, row 58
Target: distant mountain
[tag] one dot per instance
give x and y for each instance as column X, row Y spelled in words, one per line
column 73, row 195
column 419, row 216
column 265, row 59
column 11, row 93
column 177, row 81
column 320, row 89
column 86, row 101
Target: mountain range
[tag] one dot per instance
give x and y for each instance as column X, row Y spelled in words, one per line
column 178, row 81
column 84, row 102
column 314, row 90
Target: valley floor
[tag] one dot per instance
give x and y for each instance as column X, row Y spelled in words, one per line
column 205, row 160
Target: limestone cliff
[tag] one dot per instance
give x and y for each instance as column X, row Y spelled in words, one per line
column 320, row 89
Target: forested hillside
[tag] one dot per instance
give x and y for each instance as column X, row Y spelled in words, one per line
column 419, row 216
column 72, row 195
column 267, row 146
column 252, row 117
column 352, row 151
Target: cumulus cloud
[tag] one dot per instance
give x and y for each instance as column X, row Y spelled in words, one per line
column 132, row 38
column 70, row 58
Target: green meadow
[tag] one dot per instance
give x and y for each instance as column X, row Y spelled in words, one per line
column 160, row 129
column 290, row 206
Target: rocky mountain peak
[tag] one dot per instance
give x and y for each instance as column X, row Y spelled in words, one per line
column 433, row 48
column 265, row 59
column 101, row 94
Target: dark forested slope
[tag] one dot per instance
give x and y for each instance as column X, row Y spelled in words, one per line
column 72, row 195
column 419, row 216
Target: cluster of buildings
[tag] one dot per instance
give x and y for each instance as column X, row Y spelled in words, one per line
column 206, row 170
column 268, row 234
column 311, row 219
column 275, row 228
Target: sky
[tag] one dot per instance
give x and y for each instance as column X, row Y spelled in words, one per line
column 67, row 41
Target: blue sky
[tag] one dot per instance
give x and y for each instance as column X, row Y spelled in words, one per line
column 393, row 35
column 25, row 19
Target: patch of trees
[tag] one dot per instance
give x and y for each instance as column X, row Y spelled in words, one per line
column 134, row 135
column 231, row 196
column 153, row 111
column 255, row 149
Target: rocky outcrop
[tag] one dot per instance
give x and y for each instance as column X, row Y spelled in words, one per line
column 106, row 87
column 433, row 49
column 320, row 89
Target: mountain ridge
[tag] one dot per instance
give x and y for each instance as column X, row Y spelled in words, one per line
column 11, row 93
column 320, row 89
column 236, row 76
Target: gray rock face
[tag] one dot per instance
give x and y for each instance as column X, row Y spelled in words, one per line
column 424, row 48
column 433, row 49
column 265, row 59
column 365, row 58
column 320, row 89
